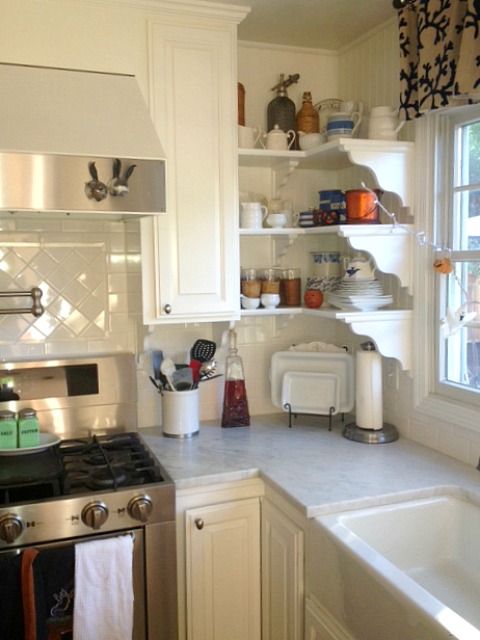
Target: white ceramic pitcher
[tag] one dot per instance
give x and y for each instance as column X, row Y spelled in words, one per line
column 383, row 124
column 252, row 215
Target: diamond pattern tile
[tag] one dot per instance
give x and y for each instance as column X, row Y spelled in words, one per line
column 73, row 278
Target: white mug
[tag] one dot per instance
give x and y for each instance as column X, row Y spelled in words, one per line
column 252, row 215
column 248, row 136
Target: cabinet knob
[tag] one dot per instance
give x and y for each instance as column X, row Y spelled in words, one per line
column 199, row 524
column 168, row 309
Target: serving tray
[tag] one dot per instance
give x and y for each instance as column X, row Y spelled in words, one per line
column 310, row 392
column 339, row 364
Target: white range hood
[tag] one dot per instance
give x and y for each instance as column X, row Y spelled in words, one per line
column 56, row 123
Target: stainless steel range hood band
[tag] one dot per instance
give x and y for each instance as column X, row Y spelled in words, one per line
column 55, row 122
column 56, row 183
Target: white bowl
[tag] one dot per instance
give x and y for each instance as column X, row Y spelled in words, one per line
column 270, row 300
column 310, row 140
column 250, row 303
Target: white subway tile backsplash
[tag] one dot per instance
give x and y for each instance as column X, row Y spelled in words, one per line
column 84, row 272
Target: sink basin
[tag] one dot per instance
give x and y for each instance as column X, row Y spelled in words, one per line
column 421, row 556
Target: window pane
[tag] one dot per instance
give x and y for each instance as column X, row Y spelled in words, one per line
column 468, row 155
column 467, row 221
column 462, row 348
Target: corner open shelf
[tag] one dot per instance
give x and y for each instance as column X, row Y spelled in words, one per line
column 390, row 161
column 390, row 245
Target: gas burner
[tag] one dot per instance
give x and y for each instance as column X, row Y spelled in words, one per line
column 107, row 478
column 108, row 462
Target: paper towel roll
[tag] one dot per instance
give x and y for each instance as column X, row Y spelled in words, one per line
column 368, row 393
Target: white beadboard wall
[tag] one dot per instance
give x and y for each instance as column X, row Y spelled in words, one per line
column 366, row 70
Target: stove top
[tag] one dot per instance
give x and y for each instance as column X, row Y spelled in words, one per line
column 107, row 462
column 79, row 466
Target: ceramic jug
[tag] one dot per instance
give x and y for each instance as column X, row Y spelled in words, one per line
column 252, row 215
column 384, row 124
column 279, row 140
column 359, row 268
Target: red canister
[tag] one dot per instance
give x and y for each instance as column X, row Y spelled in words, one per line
column 362, row 207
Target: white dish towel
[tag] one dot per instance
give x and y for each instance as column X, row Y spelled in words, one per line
column 103, row 605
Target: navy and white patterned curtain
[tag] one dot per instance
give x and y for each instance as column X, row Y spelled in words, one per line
column 440, row 54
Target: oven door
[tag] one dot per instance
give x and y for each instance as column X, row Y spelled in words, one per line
column 139, row 612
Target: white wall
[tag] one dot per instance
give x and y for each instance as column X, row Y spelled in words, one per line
column 69, row 33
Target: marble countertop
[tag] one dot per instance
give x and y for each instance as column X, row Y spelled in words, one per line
column 317, row 470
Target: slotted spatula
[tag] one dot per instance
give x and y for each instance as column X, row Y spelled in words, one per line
column 203, row 350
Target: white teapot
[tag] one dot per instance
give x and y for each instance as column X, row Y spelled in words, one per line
column 279, row 140
column 383, row 124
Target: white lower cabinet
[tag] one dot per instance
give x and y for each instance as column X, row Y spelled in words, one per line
column 219, row 570
column 282, row 575
column 240, row 564
column 223, row 571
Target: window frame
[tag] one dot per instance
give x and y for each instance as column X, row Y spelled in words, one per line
column 434, row 139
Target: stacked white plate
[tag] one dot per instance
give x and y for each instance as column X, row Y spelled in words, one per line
column 359, row 295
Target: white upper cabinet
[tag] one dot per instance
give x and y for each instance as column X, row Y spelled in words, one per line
column 190, row 256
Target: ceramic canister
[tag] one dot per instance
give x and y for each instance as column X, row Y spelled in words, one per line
column 326, row 263
column 332, row 201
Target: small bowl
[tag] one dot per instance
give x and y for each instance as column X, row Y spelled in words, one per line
column 310, row 140
column 270, row 300
column 249, row 303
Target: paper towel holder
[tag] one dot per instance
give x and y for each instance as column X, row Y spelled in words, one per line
column 387, row 432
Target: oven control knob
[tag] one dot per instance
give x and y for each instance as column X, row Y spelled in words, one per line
column 95, row 514
column 140, row 508
column 11, row 527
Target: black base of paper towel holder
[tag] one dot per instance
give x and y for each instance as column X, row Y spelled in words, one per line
column 388, row 433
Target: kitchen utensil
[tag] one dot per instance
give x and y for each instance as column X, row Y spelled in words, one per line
column 218, row 375
column 167, row 368
column 155, row 384
column 195, row 366
column 157, row 358
column 182, row 379
column 207, row 369
column 203, row 350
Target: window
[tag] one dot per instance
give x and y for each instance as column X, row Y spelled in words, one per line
column 447, row 209
column 458, row 213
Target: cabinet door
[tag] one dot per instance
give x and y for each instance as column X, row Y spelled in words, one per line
column 190, row 256
column 223, row 571
column 282, row 576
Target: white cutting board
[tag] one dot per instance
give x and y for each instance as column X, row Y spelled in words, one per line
column 309, row 392
column 340, row 364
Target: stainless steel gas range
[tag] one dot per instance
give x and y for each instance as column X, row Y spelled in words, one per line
column 92, row 476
